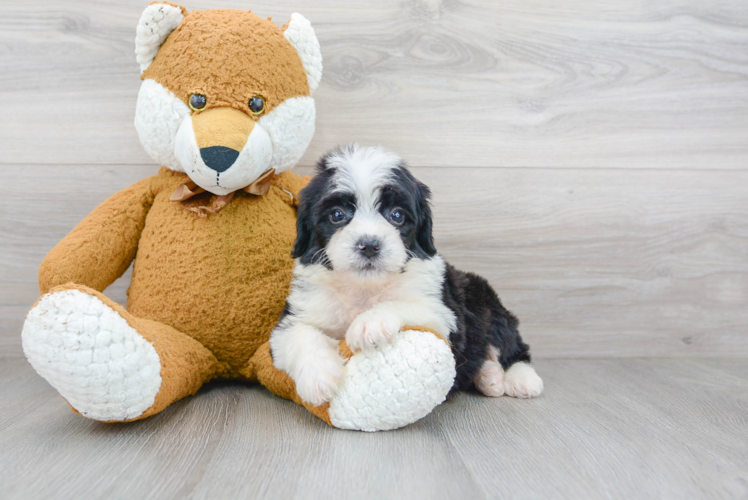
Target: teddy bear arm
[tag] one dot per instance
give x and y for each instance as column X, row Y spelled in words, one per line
column 103, row 245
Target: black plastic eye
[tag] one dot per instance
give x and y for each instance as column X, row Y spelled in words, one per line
column 397, row 217
column 337, row 216
column 257, row 105
column 197, row 102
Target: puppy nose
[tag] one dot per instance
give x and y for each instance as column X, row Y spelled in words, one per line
column 368, row 247
column 219, row 158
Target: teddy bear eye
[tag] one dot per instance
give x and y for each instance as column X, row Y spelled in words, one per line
column 257, row 105
column 197, row 102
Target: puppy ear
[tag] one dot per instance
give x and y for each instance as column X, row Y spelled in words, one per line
column 304, row 231
column 424, row 235
column 156, row 23
column 300, row 33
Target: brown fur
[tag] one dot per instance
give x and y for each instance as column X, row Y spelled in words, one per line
column 221, row 280
column 229, row 56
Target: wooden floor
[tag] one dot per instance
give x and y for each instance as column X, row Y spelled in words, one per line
column 664, row 428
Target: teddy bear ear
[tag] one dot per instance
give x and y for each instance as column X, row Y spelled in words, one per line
column 300, row 33
column 159, row 19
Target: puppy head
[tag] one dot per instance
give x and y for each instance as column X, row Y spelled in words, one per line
column 363, row 214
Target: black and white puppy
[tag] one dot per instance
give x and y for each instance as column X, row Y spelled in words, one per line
column 366, row 267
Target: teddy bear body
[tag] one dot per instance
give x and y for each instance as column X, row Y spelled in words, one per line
column 180, row 256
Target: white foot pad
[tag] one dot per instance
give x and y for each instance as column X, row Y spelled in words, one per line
column 521, row 381
column 102, row 366
column 395, row 384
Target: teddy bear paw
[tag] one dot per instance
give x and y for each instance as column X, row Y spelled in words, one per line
column 395, row 384
column 101, row 365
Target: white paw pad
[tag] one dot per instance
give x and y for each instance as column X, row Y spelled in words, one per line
column 521, row 381
column 395, row 384
column 102, row 366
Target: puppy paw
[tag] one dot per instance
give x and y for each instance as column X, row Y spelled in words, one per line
column 319, row 380
column 372, row 328
column 521, row 381
column 490, row 379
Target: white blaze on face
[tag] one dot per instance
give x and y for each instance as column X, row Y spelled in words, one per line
column 363, row 172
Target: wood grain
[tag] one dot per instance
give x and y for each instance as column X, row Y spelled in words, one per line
column 476, row 83
column 594, row 262
column 602, row 429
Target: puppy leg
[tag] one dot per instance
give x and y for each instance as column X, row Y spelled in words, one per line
column 490, row 378
column 521, row 381
column 310, row 358
column 374, row 327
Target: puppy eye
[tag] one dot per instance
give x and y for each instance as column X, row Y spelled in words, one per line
column 337, row 216
column 397, row 217
column 257, row 105
column 197, row 102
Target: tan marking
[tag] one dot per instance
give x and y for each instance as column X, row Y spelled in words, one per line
column 226, row 127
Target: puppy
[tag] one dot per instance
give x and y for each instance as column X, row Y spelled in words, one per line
column 366, row 267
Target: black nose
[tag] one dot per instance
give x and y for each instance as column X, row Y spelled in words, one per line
column 219, row 158
column 368, row 247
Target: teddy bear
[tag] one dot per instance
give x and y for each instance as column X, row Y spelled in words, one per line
column 226, row 108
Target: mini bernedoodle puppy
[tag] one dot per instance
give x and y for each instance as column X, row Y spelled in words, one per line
column 367, row 266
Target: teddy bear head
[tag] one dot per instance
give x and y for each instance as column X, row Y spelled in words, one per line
column 226, row 95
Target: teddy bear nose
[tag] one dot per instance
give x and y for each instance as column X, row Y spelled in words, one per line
column 219, row 158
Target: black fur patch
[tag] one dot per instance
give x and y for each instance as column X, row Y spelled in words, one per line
column 481, row 321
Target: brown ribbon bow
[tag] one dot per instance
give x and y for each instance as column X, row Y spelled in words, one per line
column 259, row 187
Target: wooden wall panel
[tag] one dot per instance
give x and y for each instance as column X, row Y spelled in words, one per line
column 480, row 83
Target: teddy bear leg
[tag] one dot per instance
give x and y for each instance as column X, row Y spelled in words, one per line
column 109, row 365
column 384, row 388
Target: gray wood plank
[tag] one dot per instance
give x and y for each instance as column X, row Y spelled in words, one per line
column 477, row 83
column 594, row 262
column 602, row 429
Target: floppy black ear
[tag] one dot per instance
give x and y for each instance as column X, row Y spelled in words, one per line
column 304, row 225
column 424, row 236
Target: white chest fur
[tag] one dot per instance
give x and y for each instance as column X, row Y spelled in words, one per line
column 330, row 300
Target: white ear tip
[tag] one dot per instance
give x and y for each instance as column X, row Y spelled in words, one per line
column 301, row 35
column 156, row 23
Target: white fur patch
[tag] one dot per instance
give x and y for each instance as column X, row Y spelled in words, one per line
column 363, row 171
column 290, row 126
column 394, row 385
column 331, row 301
column 158, row 115
column 490, row 378
column 311, row 359
column 301, row 35
column 156, row 24
column 342, row 249
column 521, row 381
column 102, row 366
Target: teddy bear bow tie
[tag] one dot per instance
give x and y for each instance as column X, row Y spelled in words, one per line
column 259, row 187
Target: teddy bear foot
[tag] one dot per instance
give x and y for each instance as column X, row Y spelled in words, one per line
column 395, row 384
column 87, row 351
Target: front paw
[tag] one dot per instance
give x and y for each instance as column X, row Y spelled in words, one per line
column 372, row 328
column 318, row 381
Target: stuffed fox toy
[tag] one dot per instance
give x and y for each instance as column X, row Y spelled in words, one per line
column 225, row 107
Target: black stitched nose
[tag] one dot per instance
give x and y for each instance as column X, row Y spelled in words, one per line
column 219, row 158
column 368, row 247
